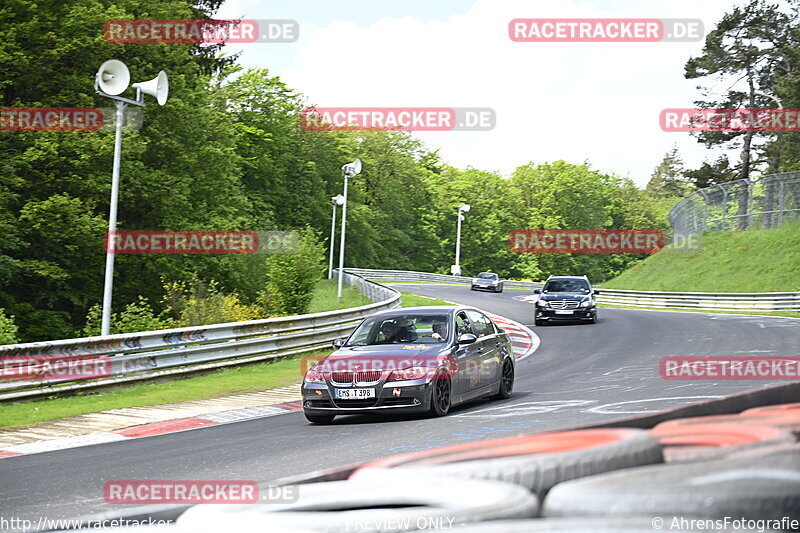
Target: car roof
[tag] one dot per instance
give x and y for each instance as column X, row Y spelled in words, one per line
column 426, row 310
column 568, row 277
column 422, row 310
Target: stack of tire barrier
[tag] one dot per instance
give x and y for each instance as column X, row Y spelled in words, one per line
column 713, row 473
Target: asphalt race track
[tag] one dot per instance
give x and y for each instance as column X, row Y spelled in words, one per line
column 580, row 374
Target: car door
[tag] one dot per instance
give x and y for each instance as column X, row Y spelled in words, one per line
column 467, row 357
column 489, row 351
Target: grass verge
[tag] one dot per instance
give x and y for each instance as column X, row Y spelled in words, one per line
column 727, row 261
column 325, row 297
column 413, row 300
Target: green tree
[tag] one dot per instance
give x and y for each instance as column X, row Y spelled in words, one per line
column 8, row 330
column 755, row 43
column 137, row 316
column 667, row 180
column 293, row 276
column 179, row 172
column 749, row 43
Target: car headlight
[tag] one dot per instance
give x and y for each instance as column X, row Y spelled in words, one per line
column 586, row 303
column 474, row 280
column 415, row 372
column 541, row 303
column 313, row 376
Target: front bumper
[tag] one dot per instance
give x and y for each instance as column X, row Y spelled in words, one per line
column 396, row 396
column 489, row 286
column 581, row 313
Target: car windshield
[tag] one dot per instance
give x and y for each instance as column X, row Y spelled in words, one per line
column 567, row 285
column 487, row 275
column 401, row 329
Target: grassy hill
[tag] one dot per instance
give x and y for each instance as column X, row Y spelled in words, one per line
column 726, row 261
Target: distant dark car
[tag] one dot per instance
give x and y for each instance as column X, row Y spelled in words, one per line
column 487, row 280
column 566, row 298
column 417, row 359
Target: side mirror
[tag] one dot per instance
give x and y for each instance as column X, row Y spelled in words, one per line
column 338, row 343
column 467, row 338
column 596, row 291
column 537, row 291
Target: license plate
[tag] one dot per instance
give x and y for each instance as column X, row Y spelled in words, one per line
column 354, row 394
column 563, row 312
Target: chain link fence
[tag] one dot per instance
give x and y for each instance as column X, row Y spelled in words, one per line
column 742, row 204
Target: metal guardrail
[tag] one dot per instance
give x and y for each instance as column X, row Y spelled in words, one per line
column 707, row 301
column 730, row 301
column 154, row 354
column 426, row 277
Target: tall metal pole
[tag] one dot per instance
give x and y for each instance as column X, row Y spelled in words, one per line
column 333, row 234
column 458, row 244
column 105, row 327
column 341, row 243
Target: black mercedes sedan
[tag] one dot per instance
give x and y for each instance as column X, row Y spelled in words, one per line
column 417, row 359
column 565, row 298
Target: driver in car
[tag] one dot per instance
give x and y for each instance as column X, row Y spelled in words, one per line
column 388, row 332
column 439, row 331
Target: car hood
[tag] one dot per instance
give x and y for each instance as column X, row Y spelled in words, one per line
column 563, row 296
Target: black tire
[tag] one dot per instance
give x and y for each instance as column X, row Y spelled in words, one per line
column 500, row 288
column 441, row 394
column 506, row 381
column 593, row 320
column 759, row 487
column 538, row 322
column 319, row 419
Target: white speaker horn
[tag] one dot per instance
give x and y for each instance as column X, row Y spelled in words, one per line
column 158, row 87
column 113, row 77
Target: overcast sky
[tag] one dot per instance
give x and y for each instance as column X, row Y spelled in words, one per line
column 574, row 101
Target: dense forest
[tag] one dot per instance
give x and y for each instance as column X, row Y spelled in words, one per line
column 227, row 153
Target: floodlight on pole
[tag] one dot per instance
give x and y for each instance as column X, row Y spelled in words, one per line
column 456, row 268
column 111, row 80
column 348, row 171
column 335, row 200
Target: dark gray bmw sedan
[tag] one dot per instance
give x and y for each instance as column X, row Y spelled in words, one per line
column 418, row 359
